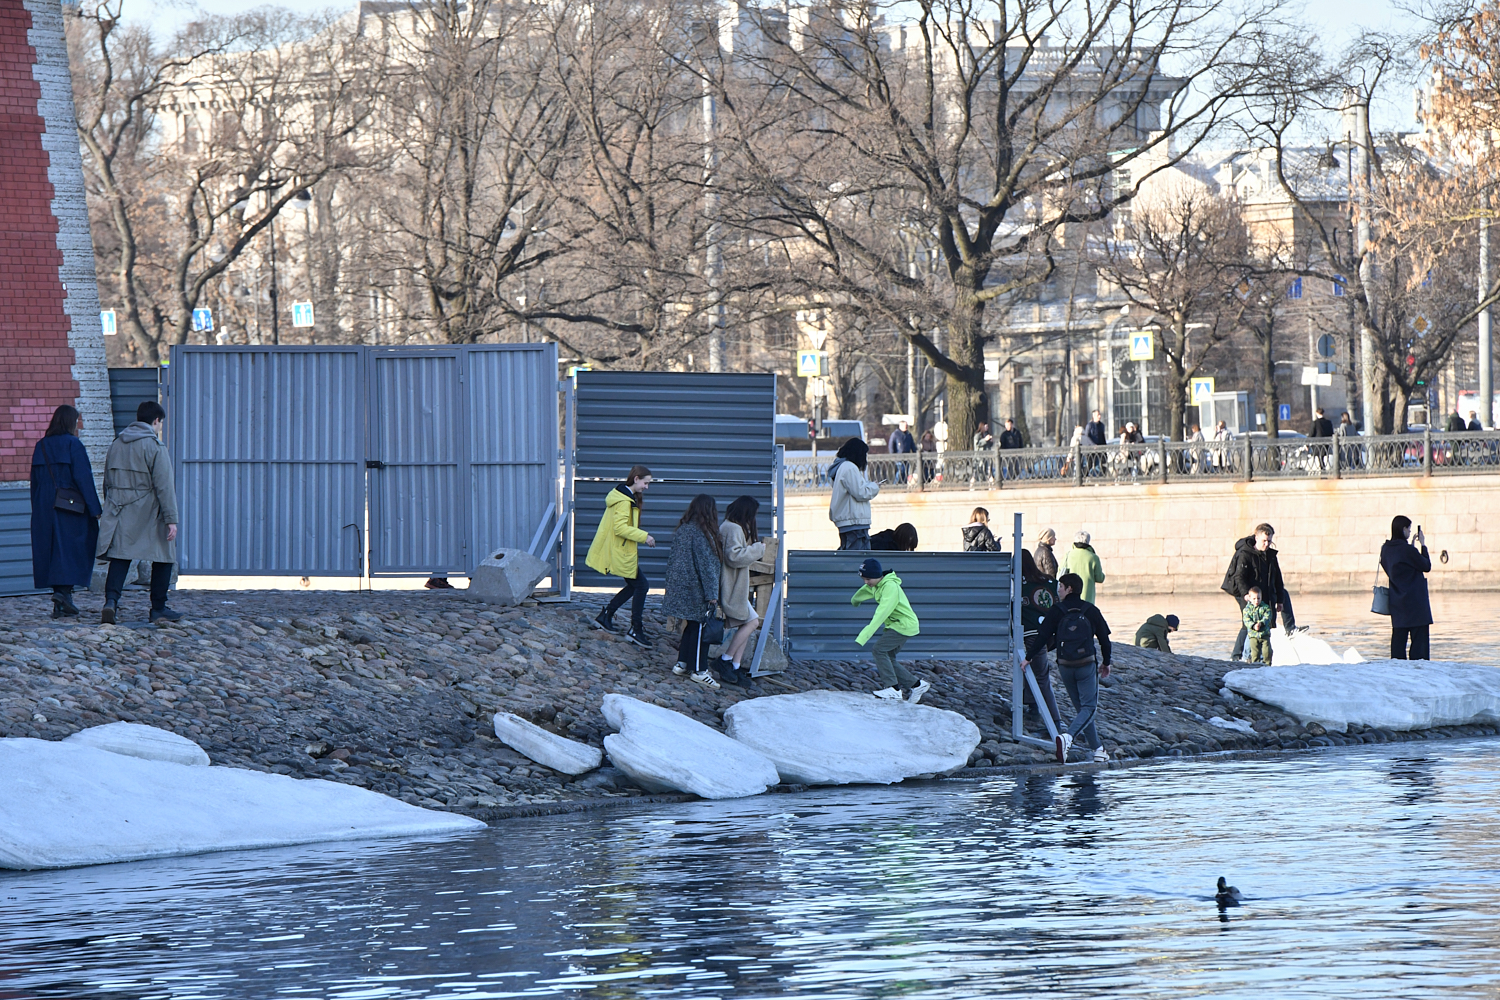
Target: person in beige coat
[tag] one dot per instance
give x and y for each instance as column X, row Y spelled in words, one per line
column 742, row 546
column 140, row 512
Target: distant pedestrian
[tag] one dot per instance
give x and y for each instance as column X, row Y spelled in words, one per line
column 1195, row 457
column 1046, row 559
column 1074, row 626
column 901, row 443
column 1254, row 564
column 849, row 507
column 1257, row 619
column 1154, row 633
column 64, row 512
column 1011, row 438
column 742, row 546
column 1322, row 427
column 893, row 611
column 1407, row 567
column 693, row 568
column 1038, row 600
column 983, row 439
column 929, row 442
column 1455, row 423
column 977, row 534
column 615, row 551
column 139, row 520
column 1084, row 561
column 926, row 466
column 901, row 538
column 1474, row 424
column 1095, row 430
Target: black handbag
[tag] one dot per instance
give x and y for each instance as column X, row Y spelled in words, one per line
column 713, row 629
column 68, row 498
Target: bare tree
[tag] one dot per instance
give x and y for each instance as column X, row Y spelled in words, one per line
column 989, row 128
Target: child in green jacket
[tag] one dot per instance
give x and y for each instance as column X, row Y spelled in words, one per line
column 1257, row 620
column 893, row 611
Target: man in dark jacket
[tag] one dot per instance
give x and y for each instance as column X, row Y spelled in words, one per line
column 1010, row 437
column 1094, row 430
column 1322, row 427
column 1474, row 424
column 1254, row 564
column 901, row 442
column 1075, row 625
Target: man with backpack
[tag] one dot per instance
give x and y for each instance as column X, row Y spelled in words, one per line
column 1075, row 624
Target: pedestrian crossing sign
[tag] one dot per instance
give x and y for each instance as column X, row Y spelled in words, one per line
column 812, row 364
column 302, row 314
column 1203, row 391
column 1142, row 346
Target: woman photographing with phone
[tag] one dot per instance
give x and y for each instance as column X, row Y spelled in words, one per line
column 1407, row 566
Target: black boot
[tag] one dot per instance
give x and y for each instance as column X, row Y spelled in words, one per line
column 62, row 604
column 165, row 615
column 110, row 612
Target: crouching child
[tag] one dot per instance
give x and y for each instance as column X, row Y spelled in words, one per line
column 892, row 610
column 1075, row 624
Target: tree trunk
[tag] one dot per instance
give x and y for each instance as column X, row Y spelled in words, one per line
column 968, row 404
column 1268, row 384
column 1401, row 399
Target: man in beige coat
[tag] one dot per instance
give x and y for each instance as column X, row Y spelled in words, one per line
column 140, row 512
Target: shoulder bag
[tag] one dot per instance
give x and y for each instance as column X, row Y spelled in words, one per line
column 713, row 628
column 68, row 498
column 1380, row 604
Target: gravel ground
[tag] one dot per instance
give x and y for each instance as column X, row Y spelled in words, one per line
column 395, row 691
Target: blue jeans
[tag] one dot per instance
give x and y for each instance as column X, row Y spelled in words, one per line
column 1083, row 688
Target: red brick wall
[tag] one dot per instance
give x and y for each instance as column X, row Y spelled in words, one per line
column 35, row 359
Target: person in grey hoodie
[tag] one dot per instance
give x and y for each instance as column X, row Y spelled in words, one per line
column 140, row 512
column 693, row 569
column 849, row 507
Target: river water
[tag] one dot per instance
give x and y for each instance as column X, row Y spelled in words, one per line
column 1367, row 872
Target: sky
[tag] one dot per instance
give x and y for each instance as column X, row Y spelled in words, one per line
column 1335, row 21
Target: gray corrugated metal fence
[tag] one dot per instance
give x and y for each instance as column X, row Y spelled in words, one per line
column 128, row 389
column 962, row 599
column 15, row 542
column 697, row 432
column 290, row 459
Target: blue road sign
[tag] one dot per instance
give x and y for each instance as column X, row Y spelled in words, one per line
column 203, row 320
column 302, row 314
column 107, row 322
column 1285, row 412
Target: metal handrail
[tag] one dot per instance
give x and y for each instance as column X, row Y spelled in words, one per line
column 1241, row 459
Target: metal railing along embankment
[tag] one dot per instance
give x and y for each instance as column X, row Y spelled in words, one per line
column 1242, row 459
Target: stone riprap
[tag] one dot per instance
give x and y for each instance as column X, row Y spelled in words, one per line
column 65, row 803
column 1386, row 694
column 396, row 691
column 665, row 751
column 562, row 755
column 146, row 742
column 842, row 737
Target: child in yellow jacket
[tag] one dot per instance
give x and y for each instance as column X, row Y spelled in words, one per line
column 892, row 610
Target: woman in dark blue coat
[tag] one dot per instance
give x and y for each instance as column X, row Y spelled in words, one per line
column 62, row 542
column 1411, row 614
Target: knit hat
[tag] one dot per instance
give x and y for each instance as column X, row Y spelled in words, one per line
column 1082, row 538
column 870, row 569
column 1173, row 621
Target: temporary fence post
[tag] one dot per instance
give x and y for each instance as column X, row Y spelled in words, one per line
column 1017, row 638
column 570, row 465
column 778, row 592
column 1427, row 451
column 1162, row 444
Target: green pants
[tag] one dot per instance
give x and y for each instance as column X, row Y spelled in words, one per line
column 892, row 673
column 1259, row 649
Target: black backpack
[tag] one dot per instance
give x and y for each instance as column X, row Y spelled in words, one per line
column 1075, row 638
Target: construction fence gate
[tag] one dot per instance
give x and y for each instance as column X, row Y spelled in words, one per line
column 363, row 461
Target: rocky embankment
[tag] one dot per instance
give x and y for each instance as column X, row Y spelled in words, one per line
column 395, row 691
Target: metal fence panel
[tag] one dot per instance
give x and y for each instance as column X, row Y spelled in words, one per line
column 128, row 389
column 962, row 599
column 697, row 432
column 15, row 542
column 268, row 449
column 511, row 392
column 418, row 512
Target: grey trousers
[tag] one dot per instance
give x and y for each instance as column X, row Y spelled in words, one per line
column 892, row 673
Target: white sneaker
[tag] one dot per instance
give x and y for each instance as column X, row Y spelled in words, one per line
column 889, row 694
column 706, row 679
column 1063, row 742
column 680, row 668
column 917, row 692
column 1101, row 756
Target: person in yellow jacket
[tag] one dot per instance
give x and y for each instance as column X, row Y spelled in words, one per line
column 613, row 551
column 892, row 610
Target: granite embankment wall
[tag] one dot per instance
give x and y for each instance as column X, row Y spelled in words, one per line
column 1164, row 539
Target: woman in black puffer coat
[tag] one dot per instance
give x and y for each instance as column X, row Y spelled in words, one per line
column 1407, row 566
column 692, row 583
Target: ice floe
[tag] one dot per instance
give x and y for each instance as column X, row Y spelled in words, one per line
column 146, row 742
column 665, row 751
column 547, row 749
column 1381, row 694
